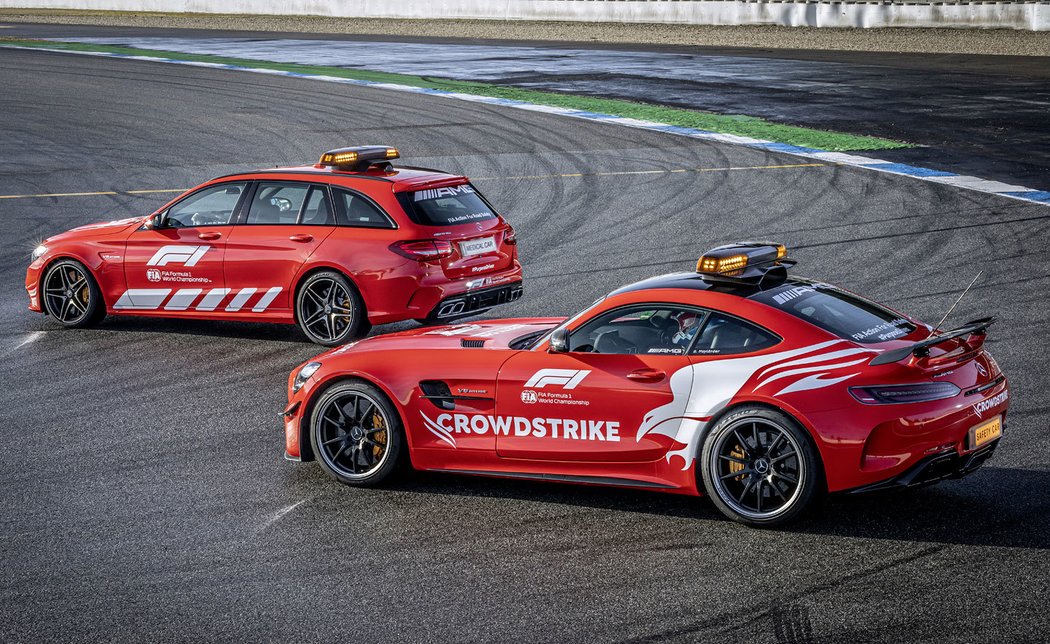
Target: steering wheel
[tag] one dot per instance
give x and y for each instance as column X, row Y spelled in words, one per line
column 611, row 342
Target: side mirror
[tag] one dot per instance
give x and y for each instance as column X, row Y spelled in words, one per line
column 155, row 222
column 559, row 342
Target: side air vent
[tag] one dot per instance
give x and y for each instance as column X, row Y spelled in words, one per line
column 471, row 344
column 438, row 393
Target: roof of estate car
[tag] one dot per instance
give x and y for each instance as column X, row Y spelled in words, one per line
column 402, row 176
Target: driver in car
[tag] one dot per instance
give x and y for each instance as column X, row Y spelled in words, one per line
column 688, row 324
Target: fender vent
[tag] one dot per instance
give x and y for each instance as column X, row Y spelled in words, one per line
column 471, row 344
column 438, row 393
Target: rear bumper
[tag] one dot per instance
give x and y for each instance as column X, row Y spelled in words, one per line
column 464, row 304
column 937, row 467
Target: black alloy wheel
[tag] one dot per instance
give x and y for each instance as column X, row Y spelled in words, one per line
column 70, row 295
column 356, row 434
column 329, row 309
column 759, row 467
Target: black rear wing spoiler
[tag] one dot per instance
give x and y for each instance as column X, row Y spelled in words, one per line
column 921, row 348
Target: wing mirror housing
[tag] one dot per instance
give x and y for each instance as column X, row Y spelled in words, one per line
column 155, row 221
column 559, row 342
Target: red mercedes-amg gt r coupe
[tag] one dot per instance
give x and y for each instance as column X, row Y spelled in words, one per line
column 760, row 389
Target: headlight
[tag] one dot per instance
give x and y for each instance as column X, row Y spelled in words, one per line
column 38, row 251
column 304, row 374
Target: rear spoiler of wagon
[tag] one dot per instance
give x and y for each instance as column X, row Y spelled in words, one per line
column 975, row 332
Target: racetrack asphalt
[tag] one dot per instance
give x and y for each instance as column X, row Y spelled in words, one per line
column 983, row 116
column 144, row 493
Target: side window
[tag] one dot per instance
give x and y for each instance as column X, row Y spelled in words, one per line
column 318, row 211
column 647, row 329
column 724, row 335
column 277, row 203
column 212, row 206
column 361, row 212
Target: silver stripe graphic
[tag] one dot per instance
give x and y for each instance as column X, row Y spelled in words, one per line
column 142, row 298
column 240, row 299
column 212, row 299
column 265, row 300
column 182, row 299
column 820, row 367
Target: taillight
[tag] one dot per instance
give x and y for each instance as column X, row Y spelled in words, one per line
column 423, row 251
column 891, row 394
column 510, row 237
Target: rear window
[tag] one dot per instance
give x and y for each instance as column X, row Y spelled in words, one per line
column 449, row 206
column 845, row 315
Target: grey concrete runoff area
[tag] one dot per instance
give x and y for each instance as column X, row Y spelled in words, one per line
column 144, row 493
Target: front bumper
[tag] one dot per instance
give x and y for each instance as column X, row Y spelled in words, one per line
column 33, row 286
column 937, row 467
column 464, row 304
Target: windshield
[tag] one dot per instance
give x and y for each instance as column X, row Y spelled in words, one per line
column 448, row 206
column 569, row 321
column 845, row 315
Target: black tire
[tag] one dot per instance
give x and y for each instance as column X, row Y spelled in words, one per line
column 329, row 310
column 760, row 467
column 356, row 434
column 70, row 295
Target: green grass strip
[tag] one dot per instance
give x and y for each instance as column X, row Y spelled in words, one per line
column 737, row 124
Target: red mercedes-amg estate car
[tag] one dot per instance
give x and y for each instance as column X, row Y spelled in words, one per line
column 761, row 389
column 335, row 247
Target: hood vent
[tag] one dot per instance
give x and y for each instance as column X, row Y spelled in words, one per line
column 470, row 343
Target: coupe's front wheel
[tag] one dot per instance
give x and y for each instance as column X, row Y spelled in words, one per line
column 71, row 296
column 759, row 467
column 356, row 434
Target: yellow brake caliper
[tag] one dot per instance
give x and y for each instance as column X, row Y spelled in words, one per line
column 738, row 452
column 84, row 292
column 380, row 437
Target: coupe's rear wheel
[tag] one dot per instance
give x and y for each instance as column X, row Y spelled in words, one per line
column 356, row 434
column 759, row 467
column 329, row 309
column 71, row 296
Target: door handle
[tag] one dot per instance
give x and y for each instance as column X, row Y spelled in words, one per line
column 647, row 375
column 302, row 237
column 209, row 236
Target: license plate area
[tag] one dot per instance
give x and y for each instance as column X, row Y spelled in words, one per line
column 479, row 246
column 986, row 432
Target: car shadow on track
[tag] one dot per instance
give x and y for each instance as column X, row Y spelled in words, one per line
column 995, row 506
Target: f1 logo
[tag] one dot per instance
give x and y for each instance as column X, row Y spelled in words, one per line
column 185, row 255
column 567, row 378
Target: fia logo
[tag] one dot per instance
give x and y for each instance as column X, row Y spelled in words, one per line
column 566, row 378
column 153, row 274
column 529, row 397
